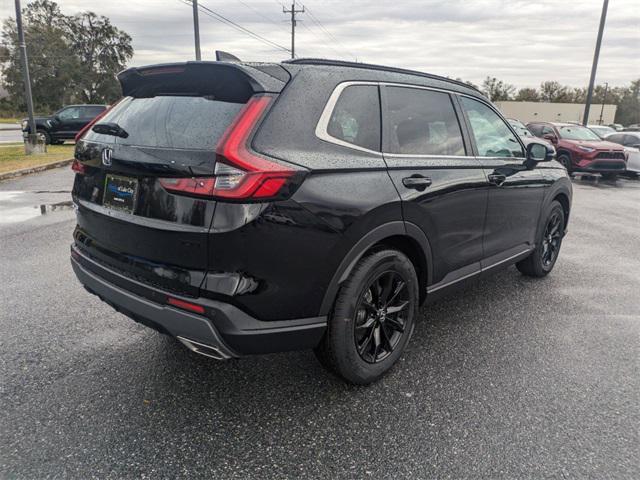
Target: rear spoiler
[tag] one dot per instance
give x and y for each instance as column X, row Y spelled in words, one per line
column 227, row 82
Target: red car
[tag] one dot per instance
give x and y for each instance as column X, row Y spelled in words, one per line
column 581, row 150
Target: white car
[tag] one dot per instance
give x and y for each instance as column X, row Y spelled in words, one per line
column 631, row 143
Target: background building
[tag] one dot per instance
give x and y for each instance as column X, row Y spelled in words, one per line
column 556, row 112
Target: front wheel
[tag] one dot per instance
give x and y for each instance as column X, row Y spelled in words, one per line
column 373, row 318
column 565, row 160
column 543, row 258
column 45, row 134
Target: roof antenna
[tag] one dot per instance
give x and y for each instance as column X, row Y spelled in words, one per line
column 226, row 57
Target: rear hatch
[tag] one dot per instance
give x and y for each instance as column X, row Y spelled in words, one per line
column 147, row 167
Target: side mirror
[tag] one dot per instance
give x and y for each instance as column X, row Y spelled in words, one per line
column 538, row 152
column 551, row 137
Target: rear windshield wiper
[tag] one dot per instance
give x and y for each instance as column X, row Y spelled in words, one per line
column 109, row 128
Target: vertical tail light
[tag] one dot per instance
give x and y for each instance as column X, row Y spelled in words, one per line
column 239, row 173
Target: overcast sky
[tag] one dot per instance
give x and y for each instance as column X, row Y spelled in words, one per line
column 521, row 42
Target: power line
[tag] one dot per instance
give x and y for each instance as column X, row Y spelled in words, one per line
column 327, row 33
column 221, row 18
column 268, row 19
column 318, row 37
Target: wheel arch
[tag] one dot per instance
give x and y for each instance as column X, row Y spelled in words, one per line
column 403, row 236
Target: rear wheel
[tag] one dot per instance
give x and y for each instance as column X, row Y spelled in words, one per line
column 543, row 258
column 565, row 160
column 373, row 318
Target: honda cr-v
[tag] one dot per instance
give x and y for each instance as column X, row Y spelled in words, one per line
column 312, row 204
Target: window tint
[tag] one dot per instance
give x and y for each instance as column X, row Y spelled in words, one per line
column 422, row 122
column 617, row 138
column 546, row 130
column 70, row 113
column 170, row 122
column 356, row 117
column 91, row 112
column 535, row 129
column 493, row 137
column 630, row 140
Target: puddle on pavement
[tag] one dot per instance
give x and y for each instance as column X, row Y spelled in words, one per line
column 21, row 214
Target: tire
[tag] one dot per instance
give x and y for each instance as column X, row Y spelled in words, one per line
column 363, row 341
column 544, row 257
column 45, row 134
column 565, row 160
column 610, row 176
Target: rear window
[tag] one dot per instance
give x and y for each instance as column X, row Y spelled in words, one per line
column 170, row 122
column 356, row 117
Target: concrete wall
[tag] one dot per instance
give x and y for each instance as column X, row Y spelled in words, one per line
column 555, row 112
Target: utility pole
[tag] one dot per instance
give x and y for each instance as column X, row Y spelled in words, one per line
column 32, row 139
column 604, row 97
column 594, row 67
column 196, row 28
column 293, row 13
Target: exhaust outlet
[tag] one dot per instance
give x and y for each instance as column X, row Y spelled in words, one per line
column 202, row 349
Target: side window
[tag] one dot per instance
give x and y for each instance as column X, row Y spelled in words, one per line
column 616, row 138
column 70, row 113
column 535, row 129
column 493, row 137
column 546, row 130
column 91, row 112
column 422, row 122
column 356, row 117
column 630, row 140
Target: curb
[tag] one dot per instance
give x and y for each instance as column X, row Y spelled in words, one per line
column 39, row 168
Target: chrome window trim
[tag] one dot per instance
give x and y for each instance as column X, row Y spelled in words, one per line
column 322, row 128
column 323, row 122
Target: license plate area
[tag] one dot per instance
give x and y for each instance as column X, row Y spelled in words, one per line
column 120, row 193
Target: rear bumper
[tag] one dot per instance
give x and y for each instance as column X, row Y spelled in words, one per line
column 225, row 332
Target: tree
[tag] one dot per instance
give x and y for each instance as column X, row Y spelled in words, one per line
column 103, row 51
column 528, row 95
column 71, row 58
column 555, row 92
column 497, row 90
column 51, row 64
column 629, row 107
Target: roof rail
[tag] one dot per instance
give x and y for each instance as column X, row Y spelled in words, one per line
column 372, row 66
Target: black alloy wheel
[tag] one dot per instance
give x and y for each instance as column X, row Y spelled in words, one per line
column 551, row 239
column 381, row 317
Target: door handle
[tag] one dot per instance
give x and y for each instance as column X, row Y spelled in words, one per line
column 497, row 178
column 417, row 182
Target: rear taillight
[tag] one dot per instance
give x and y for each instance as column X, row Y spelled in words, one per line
column 78, row 167
column 239, row 173
column 86, row 128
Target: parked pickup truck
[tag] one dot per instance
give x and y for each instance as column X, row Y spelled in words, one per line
column 65, row 123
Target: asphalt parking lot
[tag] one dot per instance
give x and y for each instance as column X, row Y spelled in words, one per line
column 515, row 378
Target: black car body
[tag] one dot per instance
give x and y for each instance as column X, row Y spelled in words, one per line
column 230, row 205
column 64, row 124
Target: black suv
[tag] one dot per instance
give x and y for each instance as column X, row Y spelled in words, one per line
column 65, row 124
column 256, row 208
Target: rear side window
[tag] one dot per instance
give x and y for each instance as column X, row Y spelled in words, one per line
column 356, row 117
column 422, row 122
column 170, row 122
column 91, row 112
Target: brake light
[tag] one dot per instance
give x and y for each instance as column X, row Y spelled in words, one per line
column 78, row 167
column 86, row 128
column 239, row 173
column 192, row 307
